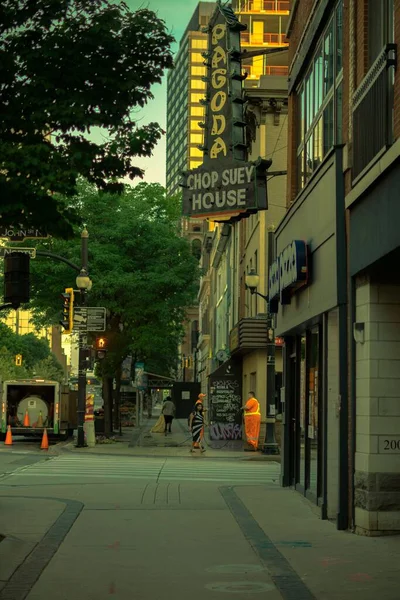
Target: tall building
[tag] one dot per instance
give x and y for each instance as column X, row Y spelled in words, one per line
column 266, row 22
column 185, row 90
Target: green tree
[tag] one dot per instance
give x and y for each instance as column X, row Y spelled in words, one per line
column 143, row 272
column 49, row 368
column 37, row 359
column 70, row 68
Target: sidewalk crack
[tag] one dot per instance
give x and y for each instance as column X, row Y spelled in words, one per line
column 161, row 470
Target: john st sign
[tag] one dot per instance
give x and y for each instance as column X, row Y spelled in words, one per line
column 225, row 186
column 288, row 273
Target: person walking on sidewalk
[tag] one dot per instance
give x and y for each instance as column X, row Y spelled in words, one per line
column 168, row 410
column 197, row 427
column 252, row 421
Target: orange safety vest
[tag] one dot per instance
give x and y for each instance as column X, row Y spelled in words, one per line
column 251, row 412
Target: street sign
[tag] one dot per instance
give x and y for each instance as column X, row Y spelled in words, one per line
column 89, row 318
column 5, row 250
column 19, row 235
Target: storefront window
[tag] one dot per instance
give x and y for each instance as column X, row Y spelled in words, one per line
column 302, row 412
column 312, row 416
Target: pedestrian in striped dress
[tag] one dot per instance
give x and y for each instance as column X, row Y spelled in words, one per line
column 197, row 427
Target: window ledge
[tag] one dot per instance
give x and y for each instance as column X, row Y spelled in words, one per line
column 373, row 174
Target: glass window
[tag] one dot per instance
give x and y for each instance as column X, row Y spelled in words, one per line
column 196, row 138
column 318, row 145
column 320, row 100
column 197, row 57
column 328, row 127
column 198, row 70
column 301, row 115
column 196, row 97
column 309, row 159
column 339, row 114
column 309, row 100
column 195, row 124
column 198, row 84
column 199, row 43
column 313, row 409
column 339, row 37
column 194, row 163
column 319, row 78
column 197, row 111
column 194, row 152
column 300, row 170
column 328, row 59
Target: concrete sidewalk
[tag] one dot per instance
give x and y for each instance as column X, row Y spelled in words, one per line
column 334, row 565
column 143, row 539
column 141, row 442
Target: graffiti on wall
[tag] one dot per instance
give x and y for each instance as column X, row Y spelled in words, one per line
column 226, row 431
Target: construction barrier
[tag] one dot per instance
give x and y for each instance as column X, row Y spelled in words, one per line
column 8, row 441
column 45, row 441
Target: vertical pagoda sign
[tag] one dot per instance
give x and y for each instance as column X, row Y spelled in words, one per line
column 226, row 186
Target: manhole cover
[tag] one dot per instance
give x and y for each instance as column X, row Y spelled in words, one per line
column 238, row 587
column 236, row 569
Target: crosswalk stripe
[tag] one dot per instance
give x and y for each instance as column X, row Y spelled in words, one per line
column 162, row 470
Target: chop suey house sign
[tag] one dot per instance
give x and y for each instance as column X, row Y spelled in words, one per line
column 225, row 185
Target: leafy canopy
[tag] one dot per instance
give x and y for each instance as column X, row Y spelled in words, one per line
column 37, row 360
column 68, row 67
column 143, row 272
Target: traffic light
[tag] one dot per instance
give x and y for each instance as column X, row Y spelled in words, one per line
column 68, row 310
column 16, row 278
column 18, row 360
column 101, row 347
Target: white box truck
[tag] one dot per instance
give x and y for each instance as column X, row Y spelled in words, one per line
column 30, row 405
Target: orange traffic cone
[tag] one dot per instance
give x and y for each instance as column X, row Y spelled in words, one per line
column 8, row 441
column 26, row 420
column 45, row 441
column 40, row 420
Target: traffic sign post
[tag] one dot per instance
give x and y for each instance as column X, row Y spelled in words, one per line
column 89, row 319
column 5, row 250
column 19, row 235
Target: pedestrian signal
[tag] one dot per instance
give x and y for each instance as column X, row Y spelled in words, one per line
column 18, row 360
column 68, row 310
column 101, row 347
column 101, row 343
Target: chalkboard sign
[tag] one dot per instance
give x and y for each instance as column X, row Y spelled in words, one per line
column 225, row 397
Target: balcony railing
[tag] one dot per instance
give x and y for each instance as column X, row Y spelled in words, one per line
column 266, row 6
column 251, row 333
column 373, row 111
column 262, row 39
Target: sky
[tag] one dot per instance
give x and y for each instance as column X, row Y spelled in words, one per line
column 176, row 14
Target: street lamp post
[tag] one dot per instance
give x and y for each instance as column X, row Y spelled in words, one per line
column 84, row 284
column 252, row 281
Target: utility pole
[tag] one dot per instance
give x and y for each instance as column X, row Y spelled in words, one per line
column 80, row 280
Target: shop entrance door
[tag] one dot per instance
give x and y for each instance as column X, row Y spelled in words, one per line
column 293, row 418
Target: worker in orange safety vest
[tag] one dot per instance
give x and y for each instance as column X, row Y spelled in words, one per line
column 252, row 421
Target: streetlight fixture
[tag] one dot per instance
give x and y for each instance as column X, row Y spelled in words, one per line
column 84, row 285
column 252, row 281
column 83, row 281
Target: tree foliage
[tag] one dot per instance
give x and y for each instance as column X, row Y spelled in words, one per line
column 37, row 359
column 68, row 68
column 143, row 272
